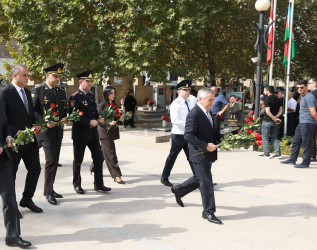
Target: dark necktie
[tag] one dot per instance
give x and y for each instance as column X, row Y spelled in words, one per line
column 187, row 105
column 209, row 118
column 25, row 102
column 54, row 92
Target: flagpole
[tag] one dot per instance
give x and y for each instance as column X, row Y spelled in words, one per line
column 272, row 48
column 288, row 66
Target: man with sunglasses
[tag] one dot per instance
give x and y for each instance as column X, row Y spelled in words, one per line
column 305, row 129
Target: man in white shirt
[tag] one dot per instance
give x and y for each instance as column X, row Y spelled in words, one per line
column 291, row 108
column 178, row 111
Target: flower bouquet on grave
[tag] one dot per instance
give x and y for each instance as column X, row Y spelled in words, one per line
column 245, row 138
column 24, row 137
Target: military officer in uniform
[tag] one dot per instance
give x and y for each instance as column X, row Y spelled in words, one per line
column 84, row 132
column 44, row 97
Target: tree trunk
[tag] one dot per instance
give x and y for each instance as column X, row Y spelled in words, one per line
column 212, row 72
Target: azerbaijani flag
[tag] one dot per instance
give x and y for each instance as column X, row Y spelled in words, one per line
column 270, row 37
column 287, row 36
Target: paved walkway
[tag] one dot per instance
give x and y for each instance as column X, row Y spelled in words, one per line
column 263, row 204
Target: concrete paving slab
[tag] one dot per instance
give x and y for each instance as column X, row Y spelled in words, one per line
column 263, row 204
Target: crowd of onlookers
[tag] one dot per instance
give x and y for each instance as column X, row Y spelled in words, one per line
column 300, row 122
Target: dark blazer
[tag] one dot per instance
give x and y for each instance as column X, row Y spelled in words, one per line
column 86, row 103
column 4, row 131
column 113, row 133
column 43, row 97
column 17, row 116
column 198, row 133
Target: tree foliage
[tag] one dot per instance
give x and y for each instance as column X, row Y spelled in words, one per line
column 124, row 37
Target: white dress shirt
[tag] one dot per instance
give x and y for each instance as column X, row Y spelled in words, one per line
column 19, row 91
column 291, row 104
column 207, row 113
column 179, row 111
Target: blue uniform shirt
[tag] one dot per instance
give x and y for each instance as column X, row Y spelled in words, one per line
column 220, row 100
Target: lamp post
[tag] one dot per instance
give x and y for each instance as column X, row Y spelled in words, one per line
column 261, row 6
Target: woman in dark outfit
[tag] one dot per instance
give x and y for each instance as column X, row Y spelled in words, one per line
column 130, row 104
column 107, row 137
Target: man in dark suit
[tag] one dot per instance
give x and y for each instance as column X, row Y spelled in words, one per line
column 84, row 132
column 44, row 97
column 18, row 107
column 7, row 191
column 202, row 136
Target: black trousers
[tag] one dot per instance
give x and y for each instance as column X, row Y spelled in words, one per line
column 203, row 180
column 304, row 135
column 52, row 150
column 29, row 153
column 7, row 191
column 178, row 143
column 96, row 154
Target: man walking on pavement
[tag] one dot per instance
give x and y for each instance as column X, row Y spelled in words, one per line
column 44, row 97
column 84, row 132
column 17, row 102
column 178, row 111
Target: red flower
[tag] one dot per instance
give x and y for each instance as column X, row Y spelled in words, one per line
column 53, row 105
column 250, row 118
column 112, row 104
column 259, row 143
column 118, row 115
column 55, row 113
column 36, row 131
column 131, row 112
column 249, row 131
column 67, row 104
column 81, row 113
column 257, row 136
column 108, row 105
column 117, row 110
column 78, row 110
column 239, row 133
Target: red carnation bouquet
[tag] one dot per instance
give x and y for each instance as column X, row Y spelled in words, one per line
column 126, row 116
column 49, row 116
column 110, row 113
column 73, row 117
column 24, row 137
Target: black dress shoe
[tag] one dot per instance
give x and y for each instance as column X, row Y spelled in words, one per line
column 102, row 188
column 30, row 205
column 212, row 218
column 17, row 242
column 51, row 199
column 79, row 190
column 167, row 183
column 214, row 184
column 177, row 197
column 57, row 195
column 59, row 165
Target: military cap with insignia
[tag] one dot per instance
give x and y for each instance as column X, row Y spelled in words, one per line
column 86, row 75
column 55, row 69
column 185, row 84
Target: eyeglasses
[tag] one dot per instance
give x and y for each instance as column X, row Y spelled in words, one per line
column 299, row 87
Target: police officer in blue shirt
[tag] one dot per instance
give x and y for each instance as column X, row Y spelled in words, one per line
column 221, row 104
